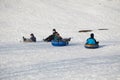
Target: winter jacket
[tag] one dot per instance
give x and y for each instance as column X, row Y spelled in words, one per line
column 91, row 41
column 33, row 39
column 57, row 38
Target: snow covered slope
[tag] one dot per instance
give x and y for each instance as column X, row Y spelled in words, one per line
column 41, row 60
column 21, row 17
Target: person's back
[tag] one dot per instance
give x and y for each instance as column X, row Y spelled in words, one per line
column 57, row 37
column 91, row 40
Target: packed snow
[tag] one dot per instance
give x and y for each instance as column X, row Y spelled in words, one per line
column 41, row 60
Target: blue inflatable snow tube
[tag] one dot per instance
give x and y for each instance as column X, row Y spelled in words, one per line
column 91, row 46
column 59, row 43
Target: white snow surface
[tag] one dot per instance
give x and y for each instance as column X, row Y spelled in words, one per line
column 41, row 60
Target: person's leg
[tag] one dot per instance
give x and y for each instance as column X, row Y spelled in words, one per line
column 66, row 39
column 97, row 42
column 49, row 38
column 24, row 39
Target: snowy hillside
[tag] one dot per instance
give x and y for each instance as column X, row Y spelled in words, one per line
column 41, row 60
column 21, row 17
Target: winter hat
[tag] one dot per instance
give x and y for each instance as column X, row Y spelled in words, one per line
column 92, row 35
column 54, row 29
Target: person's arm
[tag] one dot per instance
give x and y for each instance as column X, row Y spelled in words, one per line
column 87, row 41
column 95, row 40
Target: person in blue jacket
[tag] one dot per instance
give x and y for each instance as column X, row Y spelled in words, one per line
column 91, row 40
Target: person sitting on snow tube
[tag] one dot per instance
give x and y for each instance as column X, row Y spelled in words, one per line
column 59, row 41
column 31, row 39
column 91, row 40
column 57, row 37
column 51, row 37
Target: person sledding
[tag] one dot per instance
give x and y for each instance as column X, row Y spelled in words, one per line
column 91, row 42
column 59, row 41
column 31, row 39
column 51, row 37
column 57, row 37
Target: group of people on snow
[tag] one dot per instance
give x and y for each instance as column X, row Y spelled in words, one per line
column 56, row 37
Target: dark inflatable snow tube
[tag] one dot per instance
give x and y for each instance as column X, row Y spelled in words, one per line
column 91, row 46
column 59, row 43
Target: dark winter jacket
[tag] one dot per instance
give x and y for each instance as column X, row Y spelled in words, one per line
column 33, row 38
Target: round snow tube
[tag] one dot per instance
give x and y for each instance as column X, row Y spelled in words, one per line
column 59, row 43
column 91, row 46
